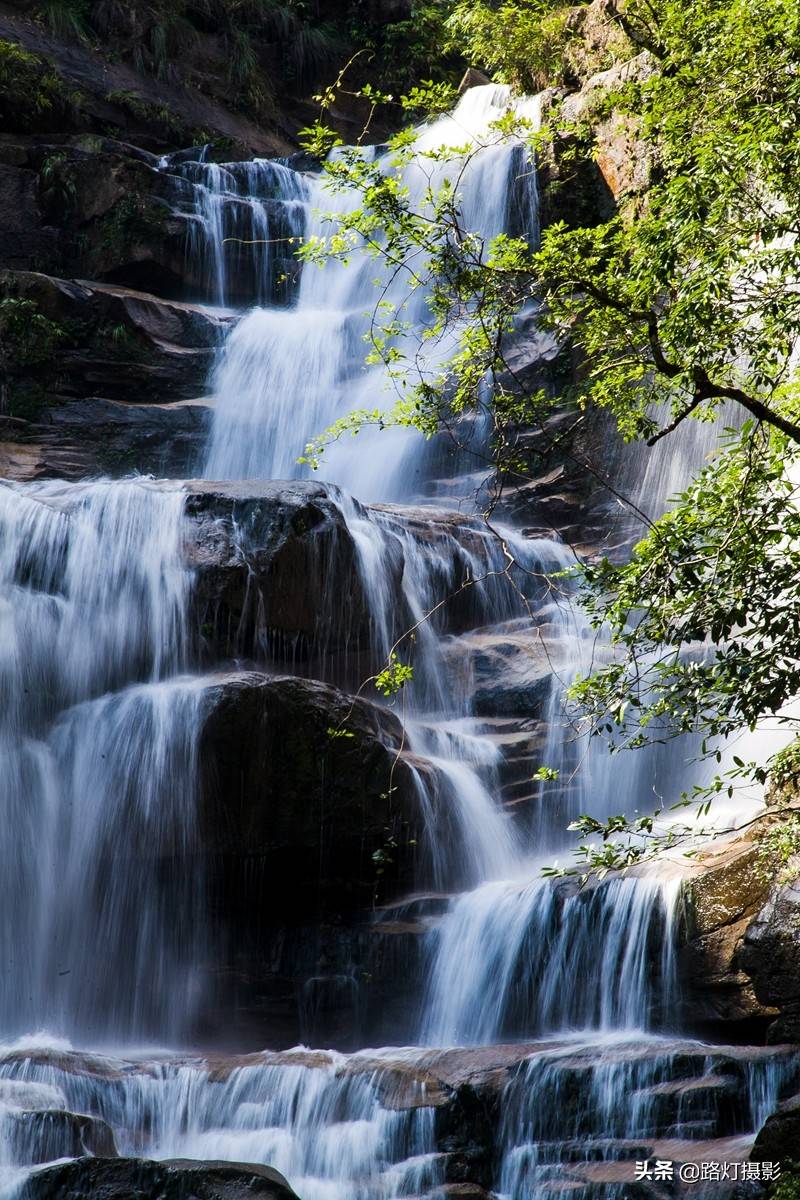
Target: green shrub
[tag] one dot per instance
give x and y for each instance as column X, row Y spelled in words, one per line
column 32, row 95
column 27, row 337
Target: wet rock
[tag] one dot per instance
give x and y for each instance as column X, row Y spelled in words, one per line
column 622, row 157
column 564, row 494
column 139, row 1179
column 43, row 1136
column 511, row 672
column 471, row 78
column 770, row 955
column 309, row 811
column 721, row 900
column 779, row 1137
column 104, row 437
column 303, row 786
column 115, row 342
column 106, row 390
column 277, row 571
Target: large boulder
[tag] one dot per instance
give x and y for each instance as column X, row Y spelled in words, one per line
column 38, row 1136
column 741, row 953
column 596, row 162
column 81, row 438
column 310, row 812
column 140, row 1179
column 305, row 784
column 779, row 1137
column 110, row 341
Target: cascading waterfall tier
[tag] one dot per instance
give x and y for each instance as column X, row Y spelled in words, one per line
column 245, row 220
column 102, row 899
column 309, row 359
column 97, row 743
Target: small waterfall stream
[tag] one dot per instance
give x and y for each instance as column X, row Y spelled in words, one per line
column 106, row 943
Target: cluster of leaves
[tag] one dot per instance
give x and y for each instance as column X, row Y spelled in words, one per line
column 394, row 676
column 57, row 182
column 707, row 612
column 28, row 340
column 405, row 51
column 778, row 846
column 521, row 42
column 33, row 96
column 786, row 765
column 788, row 1185
column 27, row 337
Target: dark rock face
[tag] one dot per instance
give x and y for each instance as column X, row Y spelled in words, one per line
column 277, row 573
column 111, row 388
column 139, row 1179
column 306, row 782
column 309, row 810
column 118, row 343
column 103, row 437
column 151, row 111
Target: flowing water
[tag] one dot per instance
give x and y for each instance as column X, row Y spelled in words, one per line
column 103, row 925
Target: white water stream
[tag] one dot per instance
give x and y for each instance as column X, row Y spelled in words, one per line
column 98, row 740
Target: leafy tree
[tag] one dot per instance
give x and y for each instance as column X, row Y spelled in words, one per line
column 522, row 42
column 684, row 301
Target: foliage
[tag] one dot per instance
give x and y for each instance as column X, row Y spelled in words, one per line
column 28, row 340
column 778, row 845
column 786, row 765
column 258, row 39
column 57, row 182
column 32, row 96
column 402, row 53
column 27, row 337
column 787, row 1186
column 67, row 18
column 521, row 42
column 265, row 45
column 394, row 677
column 721, row 565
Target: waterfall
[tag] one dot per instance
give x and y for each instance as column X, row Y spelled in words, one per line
column 97, row 736
column 245, row 219
column 105, row 929
column 509, row 953
column 286, row 375
column 628, row 1092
